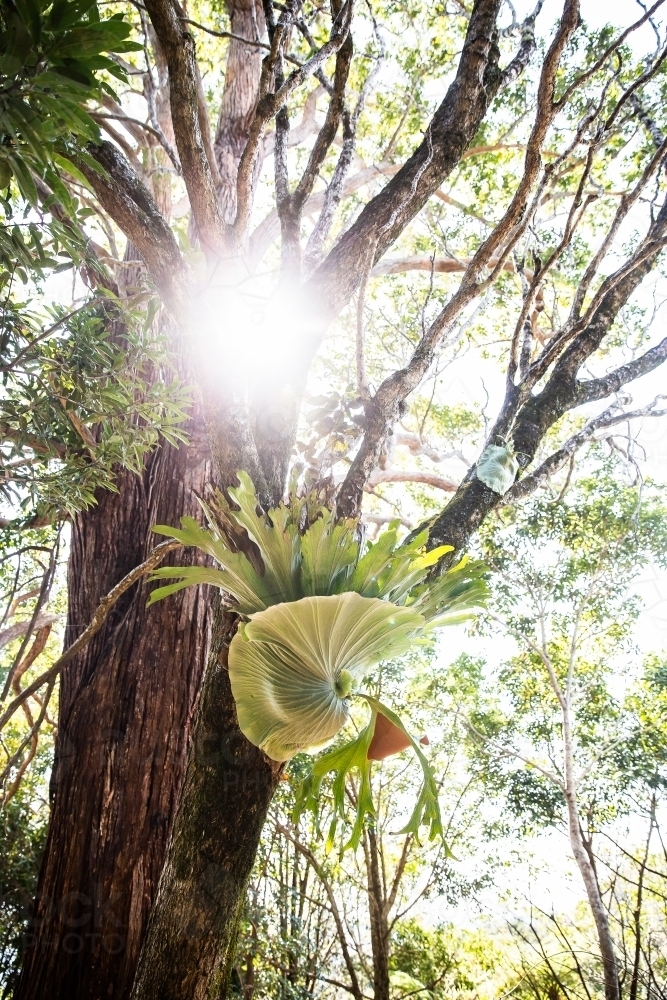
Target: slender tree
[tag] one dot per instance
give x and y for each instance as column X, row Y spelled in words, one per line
column 571, row 614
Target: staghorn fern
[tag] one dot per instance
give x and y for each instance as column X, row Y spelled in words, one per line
column 322, row 608
column 497, row 467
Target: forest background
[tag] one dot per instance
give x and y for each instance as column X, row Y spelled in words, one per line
column 91, row 391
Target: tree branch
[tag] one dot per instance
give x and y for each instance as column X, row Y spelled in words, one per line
column 526, row 49
column 598, row 388
column 382, row 411
column 413, row 476
column 291, row 209
column 134, row 210
column 608, row 418
column 20, row 628
column 96, row 622
column 270, row 103
column 450, row 131
column 342, row 936
column 178, row 46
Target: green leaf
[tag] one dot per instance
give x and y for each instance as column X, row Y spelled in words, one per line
column 497, row 468
column 427, row 808
column 190, row 576
column 452, row 597
column 238, row 576
column 341, row 761
column 285, row 665
column 365, row 579
column 278, row 543
column 329, row 550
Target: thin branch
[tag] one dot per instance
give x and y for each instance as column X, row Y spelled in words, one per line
column 411, row 476
column 96, row 622
column 551, row 465
column 178, row 46
column 225, row 34
column 335, row 912
column 157, row 133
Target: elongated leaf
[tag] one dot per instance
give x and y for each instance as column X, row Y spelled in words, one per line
column 366, row 576
column 460, row 590
column 240, row 578
column 354, row 756
column 190, row 576
column 329, row 551
column 341, row 761
column 278, row 543
column 427, row 808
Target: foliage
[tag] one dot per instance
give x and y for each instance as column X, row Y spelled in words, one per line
column 50, row 56
column 23, row 827
column 497, row 468
column 323, row 608
column 304, row 552
column 571, row 736
column 81, row 398
column 85, row 397
column 292, row 667
column 355, row 756
column 82, row 392
column 443, row 961
column 290, row 944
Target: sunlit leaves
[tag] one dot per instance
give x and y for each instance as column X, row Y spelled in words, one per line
column 50, row 58
column 353, row 757
column 77, row 403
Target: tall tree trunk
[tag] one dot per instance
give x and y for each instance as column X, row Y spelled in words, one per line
column 190, row 942
column 229, row 784
column 377, row 913
column 125, row 720
column 612, row 990
column 127, row 702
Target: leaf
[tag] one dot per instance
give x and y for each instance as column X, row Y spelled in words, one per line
column 329, row 551
column 427, row 808
column 355, row 755
column 189, row 576
column 365, row 579
column 497, row 468
column 278, row 543
column 237, row 576
column 451, row 597
column 341, row 760
column 285, row 665
column 5, row 173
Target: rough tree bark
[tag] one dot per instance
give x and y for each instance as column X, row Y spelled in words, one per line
column 189, row 944
column 127, row 702
column 239, row 100
column 124, row 726
column 194, row 922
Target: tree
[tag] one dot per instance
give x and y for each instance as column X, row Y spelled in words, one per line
column 87, row 391
column 571, row 616
column 143, row 671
